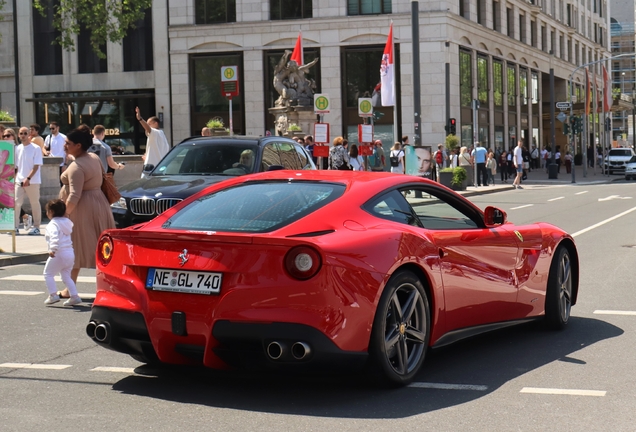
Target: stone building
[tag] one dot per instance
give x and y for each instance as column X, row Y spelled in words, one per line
column 498, row 52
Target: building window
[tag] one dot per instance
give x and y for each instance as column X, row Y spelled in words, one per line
column 496, row 16
column 290, row 9
column 361, row 74
column 137, row 45
column 465, row 78
column 535, row 87
column 481, row 11
column 206, row 100
column 214, row 11
column 512, row 86
column 570, row 58
column 47, row 55
column 523, row 86
column 482, row 80
column 510, row 18
column 87, row 59
column 497, row 80
column 271, row 59
column 368, row 7
column 544, row 39
column 533, row 33
column 522, row 28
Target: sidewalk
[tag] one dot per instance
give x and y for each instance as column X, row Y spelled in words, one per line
column 31, row 249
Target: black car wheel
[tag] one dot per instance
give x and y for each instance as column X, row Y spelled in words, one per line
column 558, row 301
column 401, row 330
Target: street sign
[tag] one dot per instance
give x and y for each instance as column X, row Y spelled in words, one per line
column 564, row 105
column 365, row 133
column 561, row 117
column 365, row 107
column 229, row 81
column 321, row 103
column 321, row 133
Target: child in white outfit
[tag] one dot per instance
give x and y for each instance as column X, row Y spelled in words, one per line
column 61, row 254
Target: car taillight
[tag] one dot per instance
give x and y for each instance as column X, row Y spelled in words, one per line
column 105, row 249
column 302, row 262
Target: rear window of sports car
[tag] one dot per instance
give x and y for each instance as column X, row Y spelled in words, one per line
column 255, row 206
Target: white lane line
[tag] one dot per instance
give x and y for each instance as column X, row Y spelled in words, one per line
column 442, row 386
column 22, row 293
column 610, row 312
column 34, row 366
column 583, row 231
column 520, row 207
column 556, row 199
column 568, row 392
column 40, row 278
column 113, row 369
column 580, row 193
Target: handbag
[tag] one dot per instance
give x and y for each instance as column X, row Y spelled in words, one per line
column 109, row 188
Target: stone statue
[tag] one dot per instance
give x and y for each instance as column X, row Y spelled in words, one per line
column 291, row 84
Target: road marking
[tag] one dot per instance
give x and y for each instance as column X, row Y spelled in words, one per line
column 583, row 231
column 24, row 293
column 556, row 199
column 610, row 312
column 580, row 193
column 569, row 392
column 34, row 366
column 40, row 278
column 442, row 386
column 113, row 369
column 520, row 207
column 613, row 197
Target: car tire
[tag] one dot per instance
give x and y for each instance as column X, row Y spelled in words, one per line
column 558, row 299
column 399, row 340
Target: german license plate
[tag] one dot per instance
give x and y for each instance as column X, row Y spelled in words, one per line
column 184, row 281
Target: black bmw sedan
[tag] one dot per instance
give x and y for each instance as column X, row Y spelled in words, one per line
column 198, row 162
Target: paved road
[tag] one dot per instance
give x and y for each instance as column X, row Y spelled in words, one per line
column 497, row 382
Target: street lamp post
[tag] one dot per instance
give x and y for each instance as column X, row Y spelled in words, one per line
column 623, row 113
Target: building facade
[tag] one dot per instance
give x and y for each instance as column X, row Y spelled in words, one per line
column 497, row 52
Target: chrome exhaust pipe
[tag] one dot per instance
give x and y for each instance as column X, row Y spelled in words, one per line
column 275, row 350
column 300, row 350
column 90, row 329
column 101, row 332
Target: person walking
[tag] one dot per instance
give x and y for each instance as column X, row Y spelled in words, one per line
column 503, row 166
column 355, row 160
column 438, row 158
column 338, row 157
column 479, row 156
column 491, row 167
column 517, row 160
column 9, row 135
column 156, row 145
column 28, row 161
column 465, row 161
column 34, row 134
column 397, row 159
column 378, row 157
column 61, row 254
column 54, row 144
column 86, row 204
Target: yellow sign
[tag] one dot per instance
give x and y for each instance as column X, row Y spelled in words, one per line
column 229, row 73
column 365, row 107
column 321, row 103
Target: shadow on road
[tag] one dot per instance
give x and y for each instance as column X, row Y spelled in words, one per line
column 490, row 360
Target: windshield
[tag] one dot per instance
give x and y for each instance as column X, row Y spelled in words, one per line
column 620, row 152
column 255, row 207
column 206, row 159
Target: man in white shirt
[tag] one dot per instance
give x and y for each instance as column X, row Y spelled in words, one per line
column 157, row 145
column 54, row 144
column 28, row 160
column 517, row 160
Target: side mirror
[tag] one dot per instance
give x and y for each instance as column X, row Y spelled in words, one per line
column 494, row 216
column 149, row 167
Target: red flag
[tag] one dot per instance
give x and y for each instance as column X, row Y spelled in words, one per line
column 587, row 92
column 607, row 91
column 387, row 74
column 297, row 54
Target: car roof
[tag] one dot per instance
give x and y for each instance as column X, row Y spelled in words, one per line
column 236, row 140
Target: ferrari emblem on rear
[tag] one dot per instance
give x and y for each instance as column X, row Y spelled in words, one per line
column 183, row 257
column 519, row 236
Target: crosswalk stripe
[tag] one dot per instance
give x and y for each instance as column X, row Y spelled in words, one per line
column 568, row 392
column 616, row 312
column 443, row 386
column 113, row 369
column 40, row 278
column 23, row 293
column 33, row 366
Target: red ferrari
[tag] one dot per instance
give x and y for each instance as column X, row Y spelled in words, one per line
column 301, row 269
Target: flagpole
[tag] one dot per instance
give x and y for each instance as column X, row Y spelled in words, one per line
column 395, row 117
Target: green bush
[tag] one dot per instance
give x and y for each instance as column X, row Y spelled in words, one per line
column 452, row 142
column 459, row 175
column 5, row 116
column 215, row 124
column 293, row 127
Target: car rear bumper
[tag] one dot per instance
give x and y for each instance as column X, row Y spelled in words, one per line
column 241, row 345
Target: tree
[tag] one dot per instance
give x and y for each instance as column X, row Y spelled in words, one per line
column 107, row 20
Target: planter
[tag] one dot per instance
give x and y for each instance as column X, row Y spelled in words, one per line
column 445, row 179
column 219, row 132
column 460, row 187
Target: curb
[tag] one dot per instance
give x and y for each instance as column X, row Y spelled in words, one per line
column 23, row 259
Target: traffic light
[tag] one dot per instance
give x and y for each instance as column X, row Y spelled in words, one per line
column 452, row 126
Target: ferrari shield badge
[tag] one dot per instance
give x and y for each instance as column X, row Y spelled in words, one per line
column 183, row 257
column 519, row 236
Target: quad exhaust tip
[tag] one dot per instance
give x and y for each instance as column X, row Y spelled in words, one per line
column 90, row 329
column 300, row 350
column 102, row 332
column 275, row 350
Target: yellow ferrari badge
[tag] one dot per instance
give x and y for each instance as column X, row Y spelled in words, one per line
column 519, row 236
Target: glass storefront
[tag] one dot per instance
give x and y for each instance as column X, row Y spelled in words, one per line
column 115, row 110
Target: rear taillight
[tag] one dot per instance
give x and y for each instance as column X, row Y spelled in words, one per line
column 105, row 249
column 302, row 262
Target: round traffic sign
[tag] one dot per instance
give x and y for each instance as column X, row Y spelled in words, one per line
column 322, row 103
column 366, row 107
